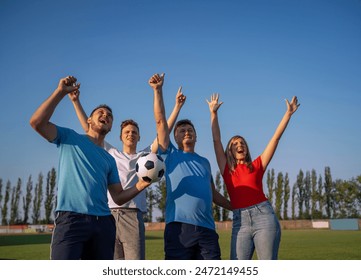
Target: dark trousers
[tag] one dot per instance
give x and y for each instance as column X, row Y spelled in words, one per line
column 189, row 242
column 79, row 236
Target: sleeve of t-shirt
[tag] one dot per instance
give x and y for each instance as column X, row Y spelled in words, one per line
column 164, row 154
column 113, row 176
column 61, row 134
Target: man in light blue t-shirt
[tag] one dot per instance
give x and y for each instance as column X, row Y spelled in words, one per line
column 190, row 229
column 84, row 226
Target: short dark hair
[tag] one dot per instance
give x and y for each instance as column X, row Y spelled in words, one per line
column 128, row 122
column 101, row 106
column 183, row 122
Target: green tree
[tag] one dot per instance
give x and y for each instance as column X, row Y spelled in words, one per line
column 4, row 210
column 346, row 203
column 1, row 193
column 300, row 194
column 320, row 196
column 307, row 195
column 14, row 203
column 49, row 195
column 270, row 184
column 294, row 201
column 314, row 196
column 225, row 212
column 38, row 197
column 328, row 186
column 160, row 198
column 358, row 186
column 279, row 192
column 148, row 217
column 216, row 208
column 286, row 196
column 27, row 200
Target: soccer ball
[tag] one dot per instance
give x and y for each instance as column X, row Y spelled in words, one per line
column 150, row 167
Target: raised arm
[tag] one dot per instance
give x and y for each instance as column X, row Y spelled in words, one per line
column 180, row 99
column 216, row 132
column 40, row 120
column 156, row 83
column 79, row 110
column 271, row 147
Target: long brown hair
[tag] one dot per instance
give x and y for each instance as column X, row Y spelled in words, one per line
column 230, row 158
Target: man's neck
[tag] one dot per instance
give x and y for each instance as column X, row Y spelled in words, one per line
column 96, row 138
column 187, row 148
column 130, row 150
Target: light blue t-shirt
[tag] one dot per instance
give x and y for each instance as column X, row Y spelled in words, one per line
column 189, row 193
column 84, row 173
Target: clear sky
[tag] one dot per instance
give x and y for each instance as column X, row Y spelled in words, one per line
column 253, row 53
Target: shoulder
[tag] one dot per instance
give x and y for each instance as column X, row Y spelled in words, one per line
column 109, row 147
column 202, row 158
column 257, row 163
column 170, row 149
column 64, row 133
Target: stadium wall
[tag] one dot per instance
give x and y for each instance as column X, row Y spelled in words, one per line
column 333, row 224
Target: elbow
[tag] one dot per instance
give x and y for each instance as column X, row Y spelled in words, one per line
column 162, row 124
column 34, row 123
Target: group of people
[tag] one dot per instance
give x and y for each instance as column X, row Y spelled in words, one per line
column 101, row 201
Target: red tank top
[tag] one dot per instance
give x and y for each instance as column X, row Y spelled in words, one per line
column 245, row 188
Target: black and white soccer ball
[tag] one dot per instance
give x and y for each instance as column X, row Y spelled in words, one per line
column 150, row 167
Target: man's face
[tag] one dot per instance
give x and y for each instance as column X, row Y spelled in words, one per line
column 130, row 135
column 185, row 135
column 101, row 121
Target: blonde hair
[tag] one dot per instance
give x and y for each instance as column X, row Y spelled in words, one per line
column 231, row 162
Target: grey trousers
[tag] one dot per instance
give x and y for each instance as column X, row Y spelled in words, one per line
column 130, row 234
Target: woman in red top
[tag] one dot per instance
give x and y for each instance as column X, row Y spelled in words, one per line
column 255, row 225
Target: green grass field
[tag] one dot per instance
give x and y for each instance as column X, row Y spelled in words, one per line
column 295, row 245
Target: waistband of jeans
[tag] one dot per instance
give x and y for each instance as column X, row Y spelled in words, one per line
column 253, row 206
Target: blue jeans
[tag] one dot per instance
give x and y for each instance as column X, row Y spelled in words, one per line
column 255, row 228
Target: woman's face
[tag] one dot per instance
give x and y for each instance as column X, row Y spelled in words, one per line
column 239, row 150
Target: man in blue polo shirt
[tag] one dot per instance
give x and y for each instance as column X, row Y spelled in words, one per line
column 190, row 228
column 84, row 226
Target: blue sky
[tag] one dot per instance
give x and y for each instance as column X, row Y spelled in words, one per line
column 254, row 53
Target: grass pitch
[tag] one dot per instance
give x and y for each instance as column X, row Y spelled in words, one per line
column 295, row 245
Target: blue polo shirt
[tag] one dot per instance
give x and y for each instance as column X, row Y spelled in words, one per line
column 84, row 173
column 189, row 193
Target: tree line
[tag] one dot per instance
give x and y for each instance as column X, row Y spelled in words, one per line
column 310, row 197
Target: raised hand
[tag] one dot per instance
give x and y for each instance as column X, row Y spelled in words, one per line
column 74, row 96
column 69, row 85
column 156, row 81
column 293, row 105
column 214, row 104
column 180, row 98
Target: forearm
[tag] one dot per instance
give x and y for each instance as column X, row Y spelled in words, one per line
column 160, row 120
column 220, row 200
column 173, row 116
column 216, row 132
column 272, row 145
column 121, row 196
column 80, row 113
column 282, row 126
